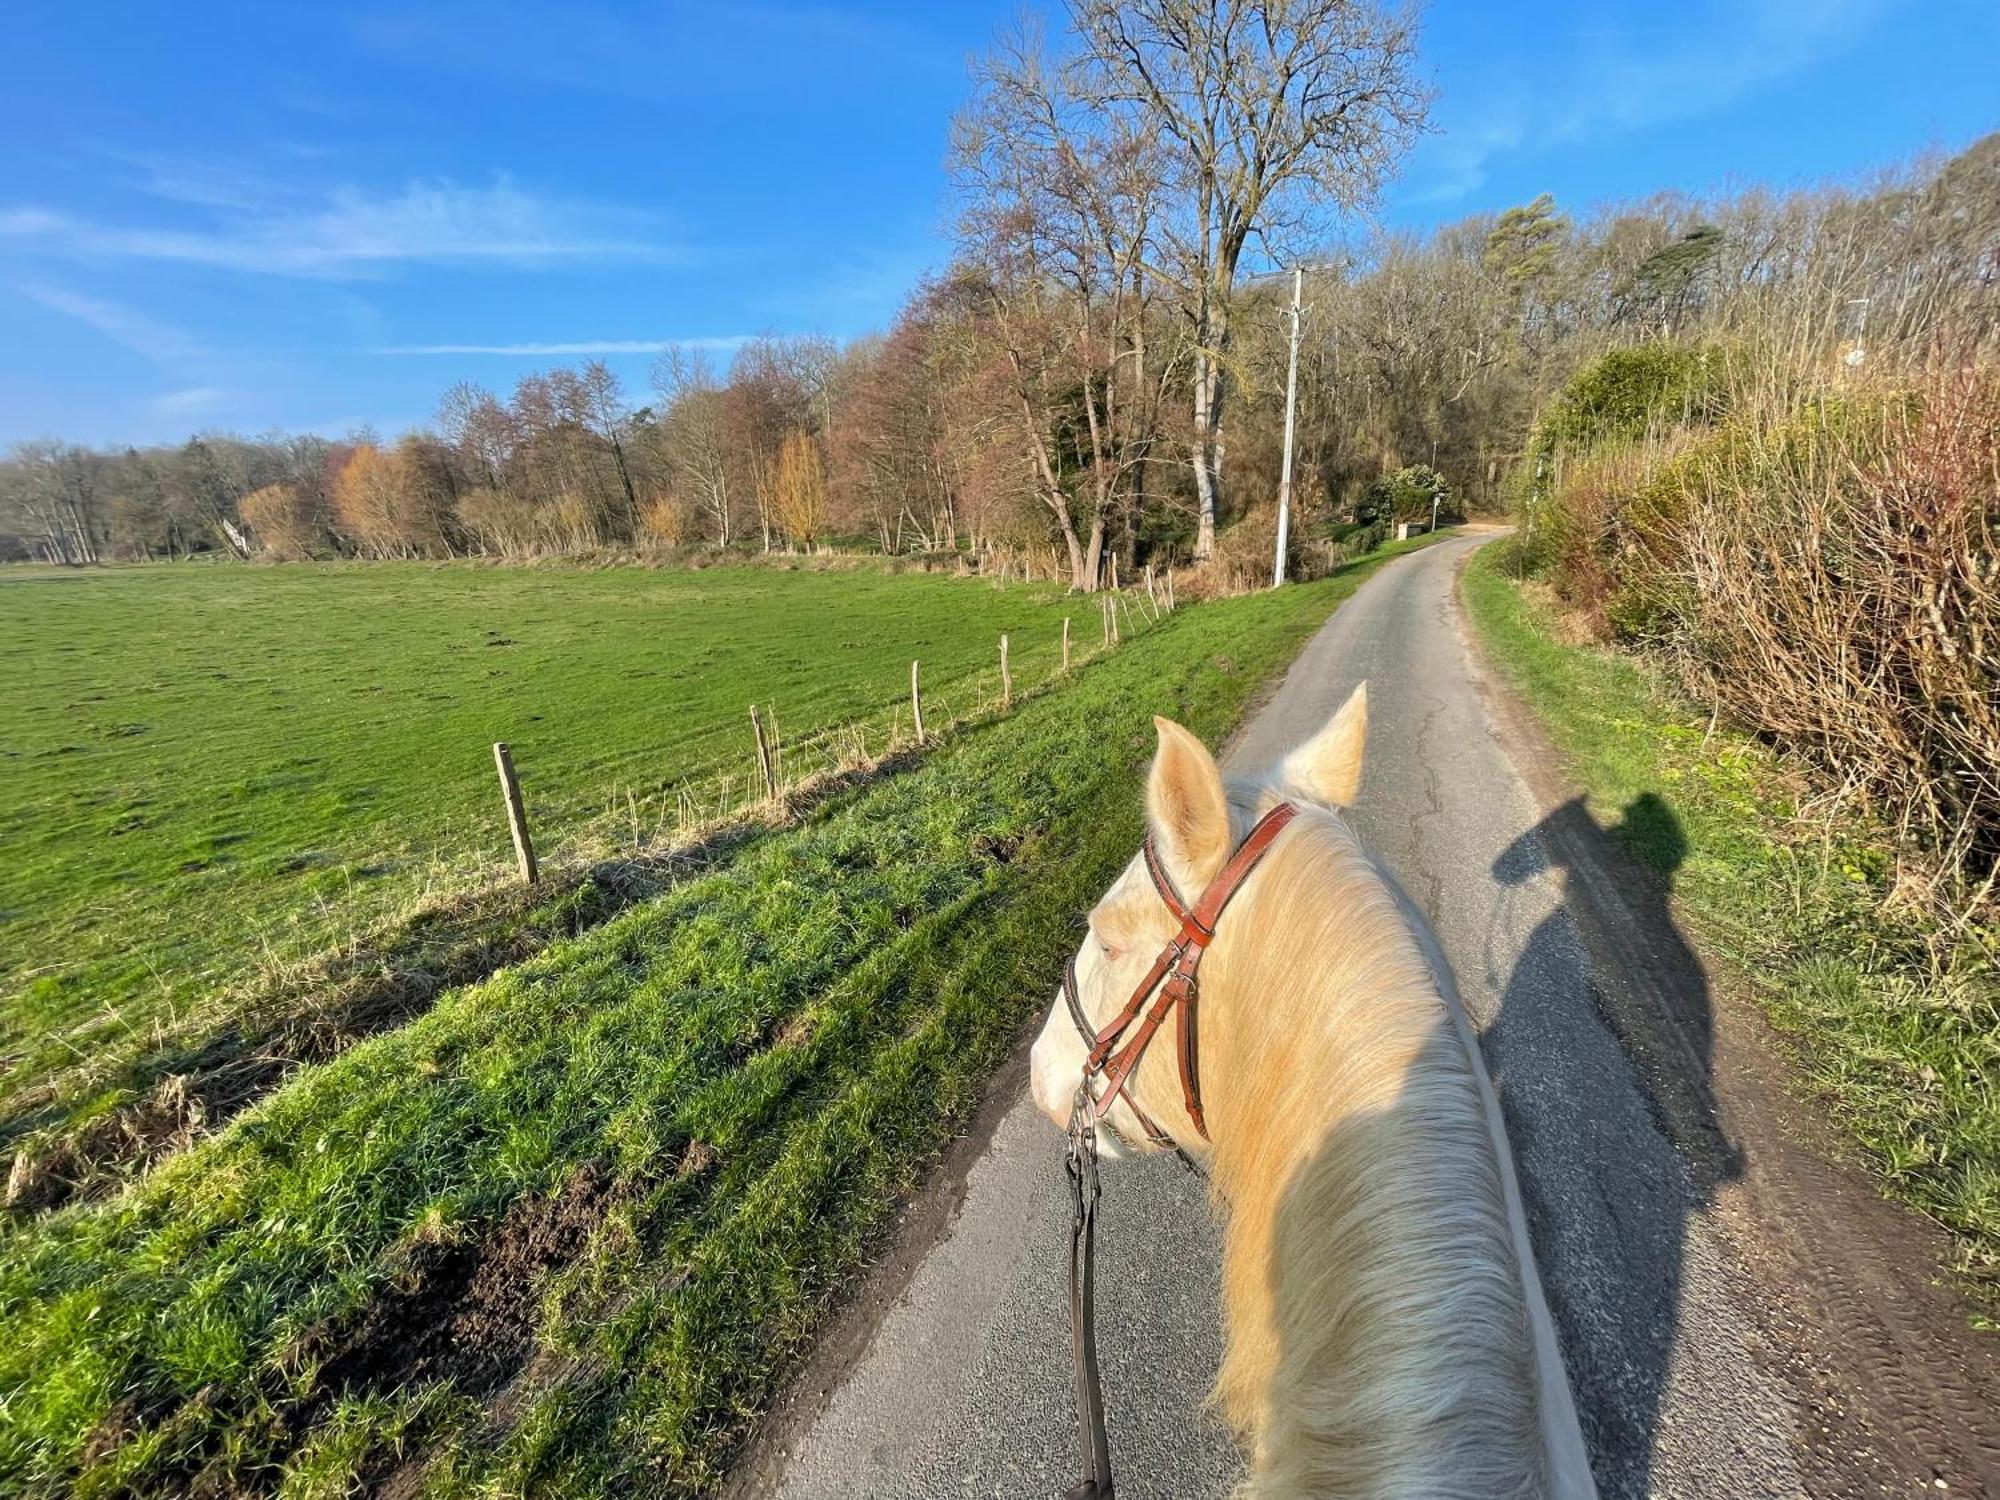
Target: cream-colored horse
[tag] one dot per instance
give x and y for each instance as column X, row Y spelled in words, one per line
column 1387, row 1334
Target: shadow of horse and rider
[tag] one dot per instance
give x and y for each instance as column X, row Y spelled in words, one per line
column 1615, row 1265
column 1601, row 1052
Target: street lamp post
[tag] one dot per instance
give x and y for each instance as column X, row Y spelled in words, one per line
column 1291, row 404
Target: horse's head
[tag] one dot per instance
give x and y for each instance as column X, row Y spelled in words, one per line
column 1196, row 820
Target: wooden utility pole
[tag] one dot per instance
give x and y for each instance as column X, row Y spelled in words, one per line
column 1006, row 677
column 764, row 765
column 916, row 703
column 517, row 815
column 1291, row 402
column 1065, row 666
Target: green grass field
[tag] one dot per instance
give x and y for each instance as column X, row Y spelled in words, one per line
column 562, row 1232
column 212, row 770
column 1906, row 1056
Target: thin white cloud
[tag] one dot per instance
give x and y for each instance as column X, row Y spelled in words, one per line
column 20, row 223
column 159, row 342
column 581, row 346
column 204, row 183
column 350, row 232
column 190, row 402
column 618, row 50
column 1621, row 81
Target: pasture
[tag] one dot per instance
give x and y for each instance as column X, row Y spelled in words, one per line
column 563, row 1231
column 213, row 771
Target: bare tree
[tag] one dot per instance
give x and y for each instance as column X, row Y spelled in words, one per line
column 603, row 403
column 693, row 429
column 480, row 429
column 1060, row 201
column 1273, row 111
column 53, row 493
column 204, row 486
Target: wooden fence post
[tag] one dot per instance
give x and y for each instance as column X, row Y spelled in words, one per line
column 1104, row 617
column 1065, row 665
column 764, row 756
column 1111, row 609
column 517, row 815
column 916, row 703
column 1006, row 677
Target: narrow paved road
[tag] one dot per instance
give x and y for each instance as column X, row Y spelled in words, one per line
column 963, row 1389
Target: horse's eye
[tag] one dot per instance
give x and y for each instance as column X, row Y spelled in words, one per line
column 1109, row 950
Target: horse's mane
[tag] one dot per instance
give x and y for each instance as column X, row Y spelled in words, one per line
column 1380, row 1342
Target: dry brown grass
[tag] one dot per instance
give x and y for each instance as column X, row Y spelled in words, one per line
column 1833, row 584
column 1819, row 567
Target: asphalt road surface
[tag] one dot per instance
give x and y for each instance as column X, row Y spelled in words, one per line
column 962, row 1388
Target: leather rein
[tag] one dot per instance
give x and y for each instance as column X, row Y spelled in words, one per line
column 1113, row 1057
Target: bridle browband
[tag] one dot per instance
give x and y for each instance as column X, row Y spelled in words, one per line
column 1172, row 978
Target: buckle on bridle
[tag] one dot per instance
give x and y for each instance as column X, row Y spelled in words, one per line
column 1082, row 1120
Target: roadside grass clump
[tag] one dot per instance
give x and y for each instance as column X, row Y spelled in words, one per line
column 218, row 774
column 563, row 1230
column 1895, row 1009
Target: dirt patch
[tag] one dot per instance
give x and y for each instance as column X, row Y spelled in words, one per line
column 463, row 1313
column 125, row 1421
column 466, row 1313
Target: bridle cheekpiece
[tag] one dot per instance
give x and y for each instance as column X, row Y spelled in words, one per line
column 1172, row 980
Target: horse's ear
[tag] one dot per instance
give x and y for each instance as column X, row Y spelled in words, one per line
column 1328, row 766
column 1186, row 806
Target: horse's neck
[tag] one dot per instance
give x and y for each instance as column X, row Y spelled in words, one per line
column 1379, row 1342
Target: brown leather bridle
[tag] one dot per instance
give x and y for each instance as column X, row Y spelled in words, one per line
column 1172, row 979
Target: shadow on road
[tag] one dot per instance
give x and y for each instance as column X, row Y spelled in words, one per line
column 1613, row 1246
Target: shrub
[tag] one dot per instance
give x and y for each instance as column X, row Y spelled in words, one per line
column 669, row 519
column 1629, row 392
column 1245, row 552
column 285, row 523
column 1818, row 565
column 1832, row 581
column 1404, row 495
column 501, row 520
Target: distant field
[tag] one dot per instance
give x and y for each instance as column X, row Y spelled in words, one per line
column 209, row 768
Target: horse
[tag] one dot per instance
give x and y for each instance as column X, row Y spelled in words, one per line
column 1387, row 1337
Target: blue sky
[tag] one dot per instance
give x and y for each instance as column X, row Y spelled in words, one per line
column 278, row 216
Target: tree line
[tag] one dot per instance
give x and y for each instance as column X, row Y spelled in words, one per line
column 1101, row 368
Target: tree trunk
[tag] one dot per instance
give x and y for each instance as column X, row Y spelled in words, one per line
column 1210, row 386
column 1093, row 555
column 625, row 478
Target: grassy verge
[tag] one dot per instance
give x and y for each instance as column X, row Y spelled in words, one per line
column 1903, row 1047
column 562, row 1232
